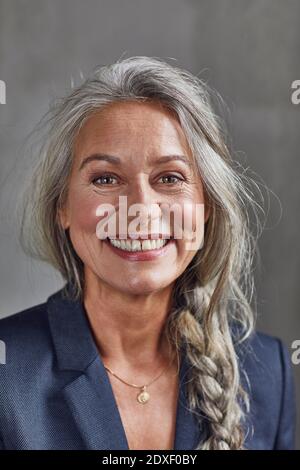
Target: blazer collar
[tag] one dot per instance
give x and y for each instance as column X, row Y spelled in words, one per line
column 72, row 337
column 90, row 396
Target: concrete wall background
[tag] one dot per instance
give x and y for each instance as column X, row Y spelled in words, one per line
column 249, row 52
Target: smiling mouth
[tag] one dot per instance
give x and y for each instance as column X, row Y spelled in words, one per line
column 139, row 245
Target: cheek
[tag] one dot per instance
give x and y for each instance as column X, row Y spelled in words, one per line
column 193, row 226
column 83, row 212
column 192, row 210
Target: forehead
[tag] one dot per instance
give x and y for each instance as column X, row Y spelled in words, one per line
column 132, row 124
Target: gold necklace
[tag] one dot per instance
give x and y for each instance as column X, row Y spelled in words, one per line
column 143, row 396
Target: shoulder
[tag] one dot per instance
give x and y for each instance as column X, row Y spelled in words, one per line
column 30, row 327
column 25, row 328
column 27, row 342
column 265, row 361
column 262, row 352
column 266, row 374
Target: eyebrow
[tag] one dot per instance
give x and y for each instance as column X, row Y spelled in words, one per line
column 117, row 161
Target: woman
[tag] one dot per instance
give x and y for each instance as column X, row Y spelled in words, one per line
column 150, row 344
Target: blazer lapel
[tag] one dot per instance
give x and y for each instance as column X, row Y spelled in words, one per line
column 94, row 409
column 89, row 395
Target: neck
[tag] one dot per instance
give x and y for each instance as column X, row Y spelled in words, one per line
column 128, row 329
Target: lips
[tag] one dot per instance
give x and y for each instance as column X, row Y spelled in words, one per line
column 154, row 236
column 138, row 244
column 138, row 254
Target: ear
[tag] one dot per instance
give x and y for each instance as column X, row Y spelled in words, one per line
column 63, row 217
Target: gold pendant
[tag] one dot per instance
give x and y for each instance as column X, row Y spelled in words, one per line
column 143, row 397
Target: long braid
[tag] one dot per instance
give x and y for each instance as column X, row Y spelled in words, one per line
column 213, row 387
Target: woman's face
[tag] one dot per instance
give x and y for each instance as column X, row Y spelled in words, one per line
column 138, row 137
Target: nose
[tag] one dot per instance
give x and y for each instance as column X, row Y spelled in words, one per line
column 141, row 192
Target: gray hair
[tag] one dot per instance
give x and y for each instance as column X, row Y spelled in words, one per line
column 216, row 289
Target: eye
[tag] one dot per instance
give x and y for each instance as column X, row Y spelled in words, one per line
column 172, row 179
column 104, row 180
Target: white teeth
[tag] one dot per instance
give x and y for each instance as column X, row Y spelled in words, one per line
column 137, row 245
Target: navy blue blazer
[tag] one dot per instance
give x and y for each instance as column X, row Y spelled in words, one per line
column 55, row 392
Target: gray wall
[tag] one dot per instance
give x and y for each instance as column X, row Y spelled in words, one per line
column 248, row 51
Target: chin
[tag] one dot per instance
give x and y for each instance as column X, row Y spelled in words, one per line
column 143, row 285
